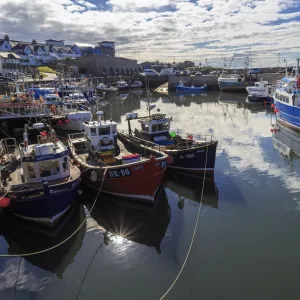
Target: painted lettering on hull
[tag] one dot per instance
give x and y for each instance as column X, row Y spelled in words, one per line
column 185, row 156
column 119, row 173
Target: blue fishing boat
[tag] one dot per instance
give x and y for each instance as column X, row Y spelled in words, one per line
column 187, row 153
column 192, row 88
column 38, row 182
column 287, row 100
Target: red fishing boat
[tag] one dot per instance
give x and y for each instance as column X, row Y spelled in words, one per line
column 126, row 169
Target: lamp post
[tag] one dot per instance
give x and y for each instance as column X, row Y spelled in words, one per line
column 286, row 72
column 278, row 62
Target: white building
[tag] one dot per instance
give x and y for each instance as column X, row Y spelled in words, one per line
column 9, row 64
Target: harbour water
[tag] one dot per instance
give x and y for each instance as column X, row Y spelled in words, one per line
column 247, row 241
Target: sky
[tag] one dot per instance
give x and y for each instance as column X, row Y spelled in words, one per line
column 165, row 30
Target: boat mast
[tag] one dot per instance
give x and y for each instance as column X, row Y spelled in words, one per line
column 230, row 62
column 297, row 67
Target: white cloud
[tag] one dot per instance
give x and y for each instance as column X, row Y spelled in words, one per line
column 164, row 29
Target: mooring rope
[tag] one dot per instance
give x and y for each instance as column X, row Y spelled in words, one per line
column 69, row 237
column 193, row 236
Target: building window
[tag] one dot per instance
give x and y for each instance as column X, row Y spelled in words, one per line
column 31, row 171
column 49, row 168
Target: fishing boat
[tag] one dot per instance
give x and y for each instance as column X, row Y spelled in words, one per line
column 232, row 82
column 260, row 92
column 122, row 85
column 105, row 88
column 136, row 84
column 192, row 88
column 125, row 168
column 287, row 100
column 75, row 115
column 187, row 153
column 38, row 182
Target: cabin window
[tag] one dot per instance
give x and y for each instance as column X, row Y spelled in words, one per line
column 65, row 165
column 93, row 132
column 31, row 171
column 114, row 128
column 154, row 128
column 49, row 168
column 145, row 127
column 104, row 130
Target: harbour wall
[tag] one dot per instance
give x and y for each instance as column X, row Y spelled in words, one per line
column 212, row 80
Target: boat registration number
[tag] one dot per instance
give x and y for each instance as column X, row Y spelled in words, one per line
column 119, row 173
column 184, row 156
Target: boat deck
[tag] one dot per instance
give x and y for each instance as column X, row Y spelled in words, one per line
column 17, row 182
column 93, row 161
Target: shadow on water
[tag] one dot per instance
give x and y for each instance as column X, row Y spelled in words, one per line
column 23, row 238
column 129, row 220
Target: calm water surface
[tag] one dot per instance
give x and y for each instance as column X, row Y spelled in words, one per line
column 247, row 244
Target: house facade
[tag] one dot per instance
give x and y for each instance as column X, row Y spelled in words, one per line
column 9, row 64
column 37, row 54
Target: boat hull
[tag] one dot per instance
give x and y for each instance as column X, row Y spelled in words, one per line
column 191, row 89
column 290, row 115
column 136, row 181
column 259, row 99
column 232, row 86
column 193, row 160
column 44, row 205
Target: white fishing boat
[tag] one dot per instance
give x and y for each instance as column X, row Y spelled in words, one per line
column 122, row 85
column 136, row 84
column 76, row 114
column 261, row 91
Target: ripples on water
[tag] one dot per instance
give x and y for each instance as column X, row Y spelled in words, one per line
column 247, row 244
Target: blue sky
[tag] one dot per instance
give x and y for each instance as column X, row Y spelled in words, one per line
column 165, row 29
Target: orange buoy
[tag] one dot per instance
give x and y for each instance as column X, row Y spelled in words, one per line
column 4, row 202
column 272, row 105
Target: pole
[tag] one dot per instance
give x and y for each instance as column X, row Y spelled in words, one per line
column 278, row 62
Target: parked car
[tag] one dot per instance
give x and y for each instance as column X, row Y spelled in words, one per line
column 198, row 74
column 150, row 72
column 185, row 73
column 176, row 73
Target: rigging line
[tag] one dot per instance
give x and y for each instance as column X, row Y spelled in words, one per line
column 69, row 237
column 83, row 279
column 15, row 286
column 193, row 236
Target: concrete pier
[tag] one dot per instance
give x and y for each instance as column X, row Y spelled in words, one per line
column 212, row 80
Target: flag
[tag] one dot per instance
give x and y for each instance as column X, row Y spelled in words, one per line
column 151, row 106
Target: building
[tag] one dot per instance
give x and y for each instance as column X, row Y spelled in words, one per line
column 107, row 48
column 37, row 54
column 83, row 49
column 97, row 65
column 9, row 64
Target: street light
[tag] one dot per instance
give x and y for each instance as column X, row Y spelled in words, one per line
column 278, row 62
column 285, row 61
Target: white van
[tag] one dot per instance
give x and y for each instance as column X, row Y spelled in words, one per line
column 150, row 72
column 166, row 71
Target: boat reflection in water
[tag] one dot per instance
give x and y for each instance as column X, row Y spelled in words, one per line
column 23, row 238
column 286, row 140
column 190, row 189
column 133, row 222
